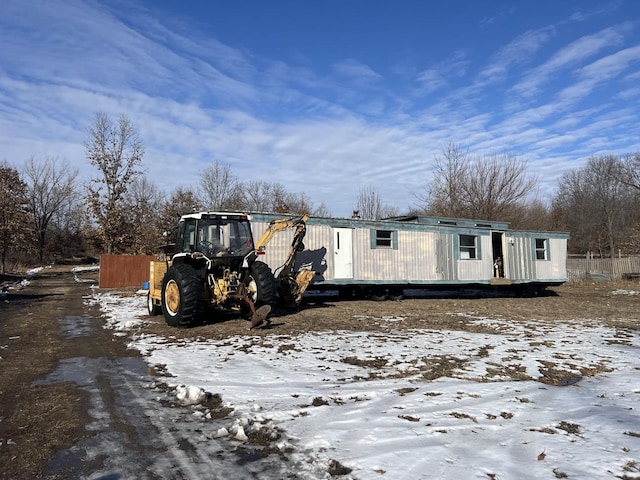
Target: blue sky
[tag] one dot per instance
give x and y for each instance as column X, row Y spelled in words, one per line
column 325, row 97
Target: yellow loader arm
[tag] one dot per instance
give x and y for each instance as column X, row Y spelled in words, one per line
column 275, row 226
column 292, row 285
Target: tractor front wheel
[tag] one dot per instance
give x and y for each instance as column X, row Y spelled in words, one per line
column 261, row 284
column 181, row 296
column 152, row 307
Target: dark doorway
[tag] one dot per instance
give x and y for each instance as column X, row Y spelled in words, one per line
column 498, row 254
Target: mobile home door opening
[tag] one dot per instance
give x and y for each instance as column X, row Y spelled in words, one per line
column 497, row 240
column 342, row 253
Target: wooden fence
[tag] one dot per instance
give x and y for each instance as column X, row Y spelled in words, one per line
column 580, row 269
column 122, row 271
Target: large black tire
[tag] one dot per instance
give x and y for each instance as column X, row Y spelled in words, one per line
column 261, row 284
column 181, row 296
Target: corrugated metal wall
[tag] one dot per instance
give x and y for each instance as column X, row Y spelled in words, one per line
column 520, row 263
column 121, row 271
column 445, row 258
column 478, row 269
column 555, row 267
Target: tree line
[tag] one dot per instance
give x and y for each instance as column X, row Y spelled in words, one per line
column 47, row 214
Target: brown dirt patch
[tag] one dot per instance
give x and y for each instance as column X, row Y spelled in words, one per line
column 565, row 303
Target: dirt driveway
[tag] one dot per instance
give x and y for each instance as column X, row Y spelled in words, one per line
column 42, row 325
column 57, row 362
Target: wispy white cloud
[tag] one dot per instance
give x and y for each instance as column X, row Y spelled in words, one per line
column 628, row 93
column 599, row 72
column 572, row 54
column 439, row 75
column 322, row 132
column 517, row 52
column 487, row 22
column 355, row 69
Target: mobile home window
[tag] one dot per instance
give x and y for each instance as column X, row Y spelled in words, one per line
column 541, row 249
column 384, row 238
column 468, row 247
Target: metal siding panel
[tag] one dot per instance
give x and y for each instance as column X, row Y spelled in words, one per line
column 559, row 252
column 416, row 255
column 318, row 244
column 318, row 241
column 413, row 260
column 470, row 270
column 374, row 263
column 521, row 263
column 480, row 269
column 445, row 256
column 556, row 267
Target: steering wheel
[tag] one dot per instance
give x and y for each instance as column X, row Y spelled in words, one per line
column 208, row 246
column 213, row 248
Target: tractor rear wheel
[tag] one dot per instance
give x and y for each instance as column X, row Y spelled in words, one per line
column 181, row 296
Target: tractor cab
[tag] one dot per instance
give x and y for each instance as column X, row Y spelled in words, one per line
column 215, row 235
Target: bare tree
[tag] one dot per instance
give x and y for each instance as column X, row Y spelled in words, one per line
column 445, row 194
column 496, row 184
column 70, row 231
column 258, row 196
column 145, row 201
column 370, row 206
column 532, row 215
column 298, row 203
column 51, row 186
column 262, row 196
column 219, row 186
column 321, row 211
column 490, row 188
column 116, row 151
column 572, row 205
column 631, row 171
column 14, row 216
column 181, row 201
column 598, row 208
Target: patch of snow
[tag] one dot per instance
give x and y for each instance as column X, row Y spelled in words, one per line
column 625, row 292
column 189, row 394
column 121, row 316
column 77, row 270
column 422, row 403
column 33, row 271
column 90, row 268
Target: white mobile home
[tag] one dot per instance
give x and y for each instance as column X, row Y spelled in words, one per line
column 387, row 256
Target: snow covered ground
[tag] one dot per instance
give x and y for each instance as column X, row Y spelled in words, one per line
column 508, row 400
